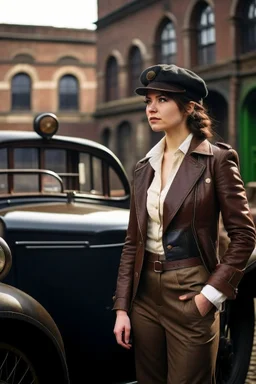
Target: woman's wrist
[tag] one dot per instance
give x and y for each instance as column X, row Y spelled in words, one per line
column 121, row 312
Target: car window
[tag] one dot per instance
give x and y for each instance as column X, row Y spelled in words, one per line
column 90, row 174
column 116, row 186
column 80, row 171
column 93, row 171
column 56, row 161
column 3, row 165
column 25, row 158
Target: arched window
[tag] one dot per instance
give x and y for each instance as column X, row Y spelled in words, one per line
column 68, row 93
column 206, row 36
column 249, row 27
column 135, row 69
column 21, row 92
column 105, row 137
column 166, row 46
column 111, row 79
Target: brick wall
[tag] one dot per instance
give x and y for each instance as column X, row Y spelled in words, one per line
column 46, row 54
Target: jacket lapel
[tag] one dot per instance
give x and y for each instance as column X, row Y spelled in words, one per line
column 185, row 179
column 143, row 178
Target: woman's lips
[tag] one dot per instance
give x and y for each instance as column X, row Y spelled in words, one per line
column 153, row 119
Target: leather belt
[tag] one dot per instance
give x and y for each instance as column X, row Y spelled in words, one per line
column 166, row 265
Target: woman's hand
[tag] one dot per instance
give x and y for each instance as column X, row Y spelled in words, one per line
column 202, row 303
column 122, row 329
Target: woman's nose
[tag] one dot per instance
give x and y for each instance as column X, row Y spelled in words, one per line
column 152, row 107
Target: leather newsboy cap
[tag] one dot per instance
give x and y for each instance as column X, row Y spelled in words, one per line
column 170, row 78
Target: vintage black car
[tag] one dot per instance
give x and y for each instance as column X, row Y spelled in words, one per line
column 64, row 208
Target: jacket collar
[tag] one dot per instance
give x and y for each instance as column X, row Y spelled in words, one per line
column 200, row 146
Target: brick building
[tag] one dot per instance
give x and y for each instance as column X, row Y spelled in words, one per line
column 47, row 69
column 215, row 38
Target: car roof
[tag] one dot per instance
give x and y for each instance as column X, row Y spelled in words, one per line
column 9, row 136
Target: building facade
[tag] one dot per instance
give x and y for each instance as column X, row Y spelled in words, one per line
column 215, row 38
column 47, row 69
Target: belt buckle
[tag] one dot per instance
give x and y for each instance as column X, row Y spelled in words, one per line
column 160, row 265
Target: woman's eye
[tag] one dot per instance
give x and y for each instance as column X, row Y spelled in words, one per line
column 146, row 101
column 162, row 99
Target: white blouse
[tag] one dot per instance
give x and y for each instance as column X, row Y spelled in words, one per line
column 156, row 197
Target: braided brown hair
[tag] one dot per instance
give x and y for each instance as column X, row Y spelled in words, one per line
column 199, row 121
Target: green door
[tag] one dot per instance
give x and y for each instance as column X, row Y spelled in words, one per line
column 247, row 135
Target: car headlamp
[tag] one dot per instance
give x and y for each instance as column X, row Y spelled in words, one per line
column 46, row 125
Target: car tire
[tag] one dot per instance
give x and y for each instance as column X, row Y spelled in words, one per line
column 236, row 341
column 16, row 367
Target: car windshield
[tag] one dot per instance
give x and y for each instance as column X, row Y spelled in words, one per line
column 55, row 170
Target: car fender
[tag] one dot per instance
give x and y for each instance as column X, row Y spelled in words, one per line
column 16, row 304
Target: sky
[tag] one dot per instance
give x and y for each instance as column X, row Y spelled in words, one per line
column 56, row 13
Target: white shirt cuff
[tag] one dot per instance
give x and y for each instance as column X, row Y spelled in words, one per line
column 213, row 295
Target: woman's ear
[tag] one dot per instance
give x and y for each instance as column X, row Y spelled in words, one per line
column 190, row 108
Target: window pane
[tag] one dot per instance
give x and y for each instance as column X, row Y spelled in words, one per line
column 165, row 49
column 249, row 27
column 26, row 158
column 21, row 92
column 68, row 93
column 56, row 160
column 206, row 37
column 3, row 165
column 203, row 21
column 135, row 69
column 173, row 47
column 3, row 158
column 116, row 186
column 167, row 44
column 25, row 183
column 211, row 18
column 211, row 35
column 97, row 176
column 111, row 80
column 90, row 174
column 84, row 172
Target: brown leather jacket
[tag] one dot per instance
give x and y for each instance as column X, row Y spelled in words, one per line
column 208, row 182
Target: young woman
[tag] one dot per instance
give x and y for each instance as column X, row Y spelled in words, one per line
column 171, row 283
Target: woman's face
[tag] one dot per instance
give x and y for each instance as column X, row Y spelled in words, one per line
column 163, row 113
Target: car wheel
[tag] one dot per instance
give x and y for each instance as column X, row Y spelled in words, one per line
column 15, row 367
column 236, row 341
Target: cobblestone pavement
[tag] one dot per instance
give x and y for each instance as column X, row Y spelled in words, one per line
column 251, row 377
